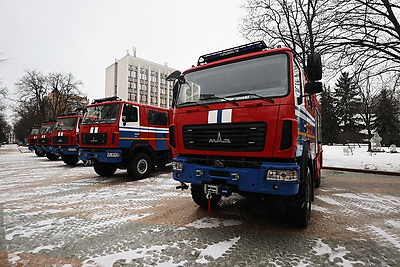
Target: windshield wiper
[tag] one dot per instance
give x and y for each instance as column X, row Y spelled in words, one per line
column 252, row 94
column 211, row 96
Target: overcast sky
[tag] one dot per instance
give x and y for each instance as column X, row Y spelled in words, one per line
column 86, row 36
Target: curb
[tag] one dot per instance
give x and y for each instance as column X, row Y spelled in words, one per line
column 362, row 171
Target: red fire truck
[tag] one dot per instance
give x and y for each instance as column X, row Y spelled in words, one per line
column 33, row 140
column 119, row 134
column 44, row 145
column 247, row 120
column 65, row 137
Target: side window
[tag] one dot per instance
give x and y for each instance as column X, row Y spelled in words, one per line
column 157, row 118
column 130, row 113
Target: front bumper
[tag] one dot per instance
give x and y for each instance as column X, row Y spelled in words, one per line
column 252, row 180
column 108, row 156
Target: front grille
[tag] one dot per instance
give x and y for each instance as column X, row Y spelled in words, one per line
column 33, row 140
column 60, row 139
column 43, row 140
column 95, row 139
column 246, row 136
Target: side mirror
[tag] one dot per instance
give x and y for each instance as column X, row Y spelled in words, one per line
column 174, row 75
column 313, row 88
column 314, row 67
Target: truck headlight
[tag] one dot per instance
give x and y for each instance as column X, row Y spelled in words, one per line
column 281, row 175
column 177, row 165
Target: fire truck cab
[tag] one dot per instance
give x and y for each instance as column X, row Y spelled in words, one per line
column 65, row 137
column 247, row 120
column 44, row 145
column 32, row 138
column 119, row 134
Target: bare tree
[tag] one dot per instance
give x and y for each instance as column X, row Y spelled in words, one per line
column 346, row 32
column 63, row 88
column 371, row 25
column 370, row 35
column 303, row 25
column 32, row 89
column 43, row 97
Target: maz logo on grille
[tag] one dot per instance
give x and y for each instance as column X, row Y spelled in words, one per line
column 219, row 140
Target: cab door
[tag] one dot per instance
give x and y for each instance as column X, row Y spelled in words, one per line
column 129, row 125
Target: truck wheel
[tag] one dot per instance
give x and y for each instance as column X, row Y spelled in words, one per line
column 52, row 156
column 200, row 198
column 70, row 159
column 40, row 153
column 300, row 208
column 104, row 169
column 140, row 166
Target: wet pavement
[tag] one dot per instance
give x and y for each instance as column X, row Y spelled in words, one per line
column 52, row 214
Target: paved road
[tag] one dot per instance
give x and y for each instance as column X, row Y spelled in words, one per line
column 55, row 215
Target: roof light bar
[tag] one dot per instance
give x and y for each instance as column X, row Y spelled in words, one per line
column 232, row 52
column 106, row 99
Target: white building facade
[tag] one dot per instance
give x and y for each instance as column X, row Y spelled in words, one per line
column 141, row 81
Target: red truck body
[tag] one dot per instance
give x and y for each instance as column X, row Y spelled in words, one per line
column 44, row 144
column 65, row 138
column 33, row 139
column 247, row 120
column 119, row 134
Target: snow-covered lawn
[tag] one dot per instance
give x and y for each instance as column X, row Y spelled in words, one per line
column 359, row 158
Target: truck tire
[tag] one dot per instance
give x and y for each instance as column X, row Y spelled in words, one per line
column 52, row 156
column 200, row 198
column 70, row 159
column 104, row 169
column 140, row 166
column 299, row 207
column 40, row 153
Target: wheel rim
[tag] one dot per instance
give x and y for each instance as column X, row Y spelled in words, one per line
column 142, row 166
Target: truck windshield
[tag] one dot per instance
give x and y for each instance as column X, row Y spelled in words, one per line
column 65, row 124
column 262, row 77
column 34, row 131
column 47, row 128
column 106, row 113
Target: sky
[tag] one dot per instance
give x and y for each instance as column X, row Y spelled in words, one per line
column 84, row 37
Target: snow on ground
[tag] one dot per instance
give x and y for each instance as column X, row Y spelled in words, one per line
column 357, row 157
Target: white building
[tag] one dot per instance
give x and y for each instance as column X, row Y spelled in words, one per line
column 140, row 81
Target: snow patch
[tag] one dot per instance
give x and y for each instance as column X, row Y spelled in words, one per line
column 318, row 208
column 391, row 239
column 217, row 250
column 210, row 222
column 329, row 200
column 393, row 223
column 128, row 256
column 335, row 255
